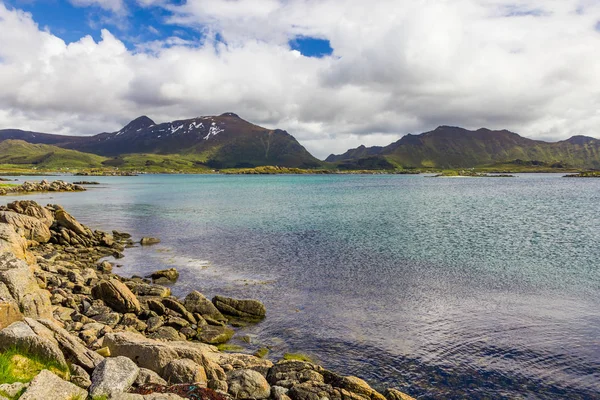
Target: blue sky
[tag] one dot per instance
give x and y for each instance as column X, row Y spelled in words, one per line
column 134, row 26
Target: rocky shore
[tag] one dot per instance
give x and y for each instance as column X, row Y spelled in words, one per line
column 43, row 186
column 101, row 336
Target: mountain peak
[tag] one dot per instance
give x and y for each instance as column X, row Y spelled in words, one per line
column 137, row 124
column 229, row 114
column 580, row 139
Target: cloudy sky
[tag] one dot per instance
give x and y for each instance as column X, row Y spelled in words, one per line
column 334, row 73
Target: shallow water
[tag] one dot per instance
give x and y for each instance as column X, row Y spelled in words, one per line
column 451, row 288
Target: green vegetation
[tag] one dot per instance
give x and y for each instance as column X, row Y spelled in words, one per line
column 17, row 366
column 470, row 173
column 233, row 348
column 17, row 153
column 7, row 185
column 262, row 352
column 298, row 357
column 585, row 174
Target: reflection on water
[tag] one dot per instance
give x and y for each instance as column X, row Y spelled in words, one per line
column 454, row 288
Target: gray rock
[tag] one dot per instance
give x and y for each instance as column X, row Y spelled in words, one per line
column 32, row 209
column 315, row 391
column 279, row 393
column 18, row 278
column 214, row 334
column 46, row 386
column 146, row 289
column 12, row 389
column 146, row 241
column 156, row 306
column 170, row 274
column 117, row 295
column 154, row 354
column 80, row 377
column 195, row 302
column 248, row 384
column 184, row 371
column 73, row 349
column 113, row 375
column 287, row 373
column 167, row 333
column 148, row 376
column 252, row 309
column 22, row 337
column 33, row 228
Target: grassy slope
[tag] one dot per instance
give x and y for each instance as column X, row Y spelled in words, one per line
column 17, row 153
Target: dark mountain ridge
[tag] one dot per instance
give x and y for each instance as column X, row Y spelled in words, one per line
column 454, row 147
column 224, row 141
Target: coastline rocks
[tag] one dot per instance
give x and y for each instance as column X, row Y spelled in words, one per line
column 12, row 242
column 9, row 309
column 248, row 384
column 195, row 302
column 170, row 274
column 65, row 220
column 117, row 295
column 394, row 394
column 251, row 309
column 48, row 386
column 288, row 373
column 184, row 371
column 145, row 289
column 32, row 228
column 43, row 186
column 113, row 375
column 32, row 209
column 214, row 334
column 147, row 241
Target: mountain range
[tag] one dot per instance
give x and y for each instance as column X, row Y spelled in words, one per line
column 228, row 141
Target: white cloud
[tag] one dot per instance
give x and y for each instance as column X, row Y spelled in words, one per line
column 398, row 67
column 110, row 5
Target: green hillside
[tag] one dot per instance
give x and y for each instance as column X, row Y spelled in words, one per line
column 18, row 153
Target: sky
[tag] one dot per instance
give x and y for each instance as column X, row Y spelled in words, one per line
column 334, row 73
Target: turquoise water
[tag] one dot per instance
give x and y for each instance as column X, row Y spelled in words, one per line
column 452, row 288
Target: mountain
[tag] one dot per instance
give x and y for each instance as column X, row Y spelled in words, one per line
column 43, row 156
column 224, row 141
column 453, row 147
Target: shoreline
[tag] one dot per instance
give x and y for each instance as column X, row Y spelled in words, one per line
column 103, row 314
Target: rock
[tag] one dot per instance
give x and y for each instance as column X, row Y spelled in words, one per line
column 393, row 394
column 154, row 354
column 47, row 386
column 80, row 377
column 315, row 391
column 19, row 335
column 116, row 295
column 73, row 349
column 195, row 302
column 352, row 384
column 113, row 375
column 32, row 209
column 11, row 242
column 20, row 281
column 248, row 384
column 167, row 333
column 146, row 241
column 214, row 334
column 154, row 323
column 287, row 373
column 65, row 220
column 184, row 371
column 252, row 309
column 33, row 228
column 180, row 309
column 279, row 393
column 9, row 312
column 171, row 274
column 156, row 306
column 12, row 390
column 145, row 289
column 148, row 376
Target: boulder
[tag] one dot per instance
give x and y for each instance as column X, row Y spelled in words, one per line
column 65, row 220
column 167, row 333
column 146, row 241
column 148, row 376
column 248, row 384
column 171, row 274
column 32, row 209
column 19, row 335
column 113, row 375
column 287, row 373
column 394, row 394
column 12, row 242
column 33, row 228
column 9, row 313
column 73, row 349
column 12, row 390
column 214, row 334
column 195, row 302
column 18, row 278
column 117, row 295
column 315, row 390
column 252, row 309
column 146, row 289
column 80, row 377
column 184, row 371
column 48, row 386
column 155, row 354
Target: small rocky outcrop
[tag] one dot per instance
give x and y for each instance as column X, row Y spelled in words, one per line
column 195, row 302
column 170, row 274
column 184, row 371
column 252, row 309
column 43, row 186
column 20, row 336
column 248, row 384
